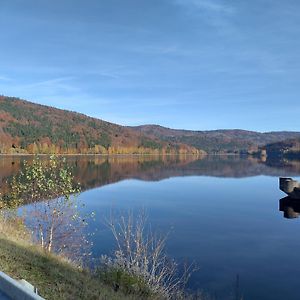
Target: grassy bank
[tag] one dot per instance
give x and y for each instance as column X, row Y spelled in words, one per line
column 54, row 277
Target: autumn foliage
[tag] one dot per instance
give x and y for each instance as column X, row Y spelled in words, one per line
column 27, row 127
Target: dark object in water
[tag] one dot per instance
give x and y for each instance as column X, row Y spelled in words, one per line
column 290, row 207
column 290, row 187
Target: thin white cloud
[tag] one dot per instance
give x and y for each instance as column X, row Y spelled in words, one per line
column 113, row 72
column 155, row 49
column 216, row 13
column 4, row 78
column 55, row 87
column 207, row 5
column 50, row 86
column 49, row 82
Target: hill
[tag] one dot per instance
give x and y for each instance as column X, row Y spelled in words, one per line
column 289, row 148
column 217, row 141
column 27, row 127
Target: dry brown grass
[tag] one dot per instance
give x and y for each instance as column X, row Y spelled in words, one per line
column 54, row 277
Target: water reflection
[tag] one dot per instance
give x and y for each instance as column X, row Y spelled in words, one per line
column 290, row 207
column 227, row 226
column 97, row 171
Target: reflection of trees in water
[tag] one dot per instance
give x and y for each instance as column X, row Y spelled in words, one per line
column 109, row 170
column 95, row 171
column 9, row 166
column 292, row 166
column 57, row 227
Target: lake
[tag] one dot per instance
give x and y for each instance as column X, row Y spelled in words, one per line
column 220, row 212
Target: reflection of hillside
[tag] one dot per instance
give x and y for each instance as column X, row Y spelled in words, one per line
column 291, row 166
column 100, row 171
column 237, row 167
column 95, row 171
column 9, row 166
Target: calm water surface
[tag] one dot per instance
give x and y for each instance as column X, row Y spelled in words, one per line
column 221, row 212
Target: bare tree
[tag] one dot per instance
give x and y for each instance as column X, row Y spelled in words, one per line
column 142, row 253
column 53, row 212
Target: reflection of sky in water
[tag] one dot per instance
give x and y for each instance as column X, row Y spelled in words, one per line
column 228, row 226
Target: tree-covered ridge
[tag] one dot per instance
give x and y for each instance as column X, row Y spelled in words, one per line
column 33, row 128
column 218, row 141
column 289, row 148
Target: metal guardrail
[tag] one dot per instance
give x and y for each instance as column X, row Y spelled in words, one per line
column 17, row 290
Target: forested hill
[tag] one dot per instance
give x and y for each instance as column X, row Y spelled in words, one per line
column 27, row 127
column 289, row 148
column 218, row 141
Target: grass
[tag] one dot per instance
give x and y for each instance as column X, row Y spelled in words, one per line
column 130, row 284
column 54, row 277
column 57, row 278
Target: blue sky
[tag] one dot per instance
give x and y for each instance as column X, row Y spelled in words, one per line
column 194, row 64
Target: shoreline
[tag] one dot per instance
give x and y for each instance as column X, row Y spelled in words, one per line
column 133, row 154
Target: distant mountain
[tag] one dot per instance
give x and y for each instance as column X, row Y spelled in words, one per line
column 217, row 141
column 27, row 127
